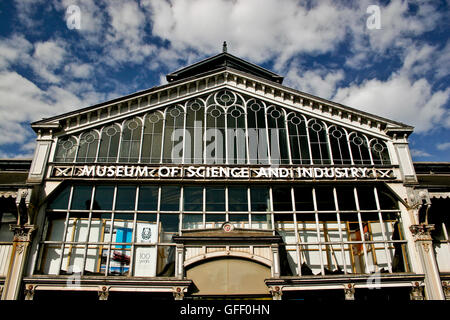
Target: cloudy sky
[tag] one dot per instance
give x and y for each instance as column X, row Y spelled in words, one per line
column 60, row 55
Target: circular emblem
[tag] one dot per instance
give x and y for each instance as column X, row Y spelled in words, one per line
column 227, row 227
column 146, row 234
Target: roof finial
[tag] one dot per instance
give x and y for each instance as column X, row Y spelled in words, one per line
column 224, row 48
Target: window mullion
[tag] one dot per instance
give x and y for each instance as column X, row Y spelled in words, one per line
column 383, row 231
column 319, row 241
column 66, row 225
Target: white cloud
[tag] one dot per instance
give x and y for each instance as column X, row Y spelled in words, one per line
column 79, row 70
column 319, row 82
column 13, row 49
column 399, row 98
column 259, row 30
column 24, row 102
column 443, row 146
column 48, row 56
column 420, row 153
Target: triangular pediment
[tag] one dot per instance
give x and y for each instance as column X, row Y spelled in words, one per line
column 186, row 117
column 220, row 62
column 238, row 81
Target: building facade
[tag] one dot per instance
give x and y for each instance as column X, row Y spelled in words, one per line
column 225, row 183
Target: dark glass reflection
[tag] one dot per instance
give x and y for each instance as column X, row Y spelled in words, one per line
column 237, row 199
column 148, row 198
column 103, row 198
column 260, row 200
column 126, row 196
column 170, row 198
column 282, row 200
column 303, row 199
column 215, row 199
column 325, row 198
column 81, row 198
column 193, row 198
column 61, row 201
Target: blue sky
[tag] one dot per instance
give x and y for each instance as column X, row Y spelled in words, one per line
column 55, row 58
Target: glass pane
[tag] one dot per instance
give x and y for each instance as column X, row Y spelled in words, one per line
column 346, row 198
column 325, row 198
column 239, row 220
column 260, row 200
column 214, row 220
column 386, row 199
column 193, row 198
column 303, row 199
column 237, row 199
column 170, row 198
column 192, row 221
column 81, row 198
column 61, row 201
column 103, row 197
column 366, row 198
column 215, row 199
column 261, row 221
column 125, row 198
column 148, row 198
column 169, row 226
column 282, row 200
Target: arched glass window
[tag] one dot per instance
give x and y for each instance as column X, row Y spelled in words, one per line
column 380, row 153
column 131, row 140
column 195, row 118
column 109, row 144
column 236, row 140
column 87, row 150
column 174, row 135
column 215, row 135
column 339, row 145
column 152, row 140
column 298, row 139
column 318, row 141
column 257, row 133
column 359, row 148
column 66, row 149
column 279, row 153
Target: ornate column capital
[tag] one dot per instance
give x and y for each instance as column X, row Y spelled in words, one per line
column 349, row 289
column 29, row 291
column 178, row 292
column 22, row 233
column 276, row 292
column 22, row 236
column 446, row 289
column 103, row 293
column 422, row 231
column 416, row 291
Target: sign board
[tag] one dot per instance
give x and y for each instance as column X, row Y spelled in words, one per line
column 221, row 172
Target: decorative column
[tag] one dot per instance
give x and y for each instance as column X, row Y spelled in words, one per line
column 21, row 242
column 276, row 261
column 424, row 247
column 179, row 261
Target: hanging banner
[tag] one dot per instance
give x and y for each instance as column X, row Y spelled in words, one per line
column 145, row 256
